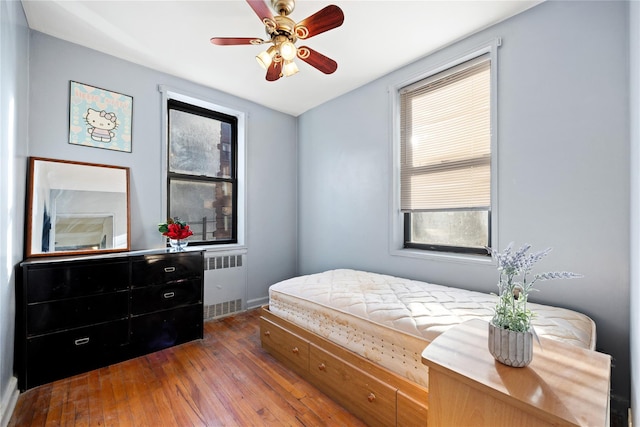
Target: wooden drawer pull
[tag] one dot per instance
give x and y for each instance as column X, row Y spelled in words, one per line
column 168, row 295
column 267, row 333
column 371, row 397
column 169, row 269
column 295, row 350
column 322, row 367
column 81, row 341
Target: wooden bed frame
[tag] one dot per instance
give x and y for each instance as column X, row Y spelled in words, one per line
column 369, row 391
column 382, row 398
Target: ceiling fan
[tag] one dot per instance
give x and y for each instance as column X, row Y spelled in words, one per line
column 283, row 33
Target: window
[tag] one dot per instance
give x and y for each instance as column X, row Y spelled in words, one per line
column 202, row 176
column 445, row 159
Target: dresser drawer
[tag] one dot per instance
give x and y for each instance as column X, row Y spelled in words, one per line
column 367, row 397
column 162, row 329
column 162, row 297
column 155, row 269
column 46, row 283
column 61, row 354
column 76, row 312
column 284, row 344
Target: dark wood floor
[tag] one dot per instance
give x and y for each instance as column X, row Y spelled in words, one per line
column 226, row 379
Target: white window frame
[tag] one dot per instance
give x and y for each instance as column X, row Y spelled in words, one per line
column 396, row 223
column 170, row 93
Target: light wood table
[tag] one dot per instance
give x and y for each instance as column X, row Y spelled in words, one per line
column 563, row 386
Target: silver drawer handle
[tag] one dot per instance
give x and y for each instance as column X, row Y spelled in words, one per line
column 169, row 269
column 169, row 295
column 82, row 341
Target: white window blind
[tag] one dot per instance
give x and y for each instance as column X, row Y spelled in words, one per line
column 445, row 140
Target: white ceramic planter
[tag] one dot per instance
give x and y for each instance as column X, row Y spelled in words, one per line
column 509, row 347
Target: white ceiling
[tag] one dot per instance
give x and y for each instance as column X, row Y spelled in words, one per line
column 172, row 36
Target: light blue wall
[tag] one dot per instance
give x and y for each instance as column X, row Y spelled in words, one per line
column 14, row 70
column 271, row 149
column 563, row 161
column 634, row 54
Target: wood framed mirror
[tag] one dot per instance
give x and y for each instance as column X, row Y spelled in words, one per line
column 76, row 208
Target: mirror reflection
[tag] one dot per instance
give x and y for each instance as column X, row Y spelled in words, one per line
column 77, row 208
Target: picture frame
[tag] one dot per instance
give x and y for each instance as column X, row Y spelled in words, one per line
column 99, row 118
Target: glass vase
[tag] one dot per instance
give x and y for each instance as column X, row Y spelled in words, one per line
column 178, row 244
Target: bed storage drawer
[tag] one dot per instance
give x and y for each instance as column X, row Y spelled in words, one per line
column 286, row 345
column 412, row 407
column 370, row 399
column 374, row 394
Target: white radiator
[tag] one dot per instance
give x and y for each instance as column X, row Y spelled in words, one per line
column 225, row 283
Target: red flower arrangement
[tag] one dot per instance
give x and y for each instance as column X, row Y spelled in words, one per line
column 175, row 229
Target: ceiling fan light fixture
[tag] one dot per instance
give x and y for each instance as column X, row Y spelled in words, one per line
column 282, row 34
column 287, row 50
column 264, row 58
column 289, row 68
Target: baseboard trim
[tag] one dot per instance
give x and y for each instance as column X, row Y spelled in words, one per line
column 8, row 402
column 257, row 302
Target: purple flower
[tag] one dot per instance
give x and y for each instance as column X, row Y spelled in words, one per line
column 515, row 284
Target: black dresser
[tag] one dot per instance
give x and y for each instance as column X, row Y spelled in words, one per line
column 81, row 313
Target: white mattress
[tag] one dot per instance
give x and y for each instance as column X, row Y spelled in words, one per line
column 390, row 320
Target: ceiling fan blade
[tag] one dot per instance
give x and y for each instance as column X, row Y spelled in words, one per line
column 229, row 41
column 317, row 60
column 324, row 20
column 274, row 71
column 261, row 9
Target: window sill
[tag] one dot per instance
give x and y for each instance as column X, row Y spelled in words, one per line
column 443, row 256
column 221, row 248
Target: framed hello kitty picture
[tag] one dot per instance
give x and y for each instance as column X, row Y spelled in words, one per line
column 99, row 118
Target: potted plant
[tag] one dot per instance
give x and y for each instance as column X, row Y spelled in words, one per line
column 177, row 231
column 510, row 330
